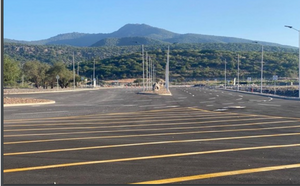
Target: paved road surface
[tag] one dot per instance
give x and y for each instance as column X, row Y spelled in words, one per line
column 196, row 136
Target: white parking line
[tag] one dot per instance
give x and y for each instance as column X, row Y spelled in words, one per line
column 227, row 103
column 270, row 105
column 50, row 112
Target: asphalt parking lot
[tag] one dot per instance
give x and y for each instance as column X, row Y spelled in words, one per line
column 179, row 139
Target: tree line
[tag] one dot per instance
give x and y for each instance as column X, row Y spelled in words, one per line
column 184, row 64
column 38, row 73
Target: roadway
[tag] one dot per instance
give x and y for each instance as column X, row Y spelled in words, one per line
column 115, row 136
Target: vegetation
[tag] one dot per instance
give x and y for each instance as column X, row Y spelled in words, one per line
column 11, row 72
column 41, row 64
column 199, row 64
column 40, row 74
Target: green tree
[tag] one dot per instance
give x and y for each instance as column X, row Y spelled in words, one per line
column 36, row 72
column 65, row 75
column 11, row 71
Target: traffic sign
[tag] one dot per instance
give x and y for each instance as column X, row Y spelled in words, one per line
column 57, row 77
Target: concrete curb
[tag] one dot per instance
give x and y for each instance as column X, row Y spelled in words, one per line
column 28, row 104
column 44, row 92
column 264, row 95
column 153, row 93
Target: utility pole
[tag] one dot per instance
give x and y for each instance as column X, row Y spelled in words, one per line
column 150, row 73
column 94, row 74
column 146, row 70
column 225, row 74
column 238, row 87
column 153, row 79
column 73, row 72
column 167, row 70
column 78, row 68
column 262, row 68
column 143, row 68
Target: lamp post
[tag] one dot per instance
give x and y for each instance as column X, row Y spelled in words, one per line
column 238, row 87
column 262, row 66
column 73, row 72
column 225, row 74
column 298, row 59
column 143, row 59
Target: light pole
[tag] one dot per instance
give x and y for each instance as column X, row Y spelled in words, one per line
column 73, row 72
column 262, row 66
column 298, row 59
column 225, row 74
column 94, row 83
column 143, row 58
column 238, row 87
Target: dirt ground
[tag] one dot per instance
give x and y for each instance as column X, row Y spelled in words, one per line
column 8, row 100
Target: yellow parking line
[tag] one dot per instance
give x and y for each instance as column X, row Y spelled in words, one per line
column 145, row 158
column 148, row 143
column 114, row 118
column 124, row 120
column 143, row 135
column 220, row 174
column 193, row 108
column 137, row 125
column 146, row 129
column 102, row 114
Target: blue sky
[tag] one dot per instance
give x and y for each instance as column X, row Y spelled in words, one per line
column 261, row 20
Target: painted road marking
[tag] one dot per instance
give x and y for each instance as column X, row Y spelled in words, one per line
column 220, row 174
column 114, row 120
column 270, row 105
column 94, row 115
column 149, row 143
column 154, row 124
column 173, row 128
column 207, row 101
column 143, row 135
column 146, row 158
column 50, row 112
column 261, row 115
column 152, row 105
column 227, row 103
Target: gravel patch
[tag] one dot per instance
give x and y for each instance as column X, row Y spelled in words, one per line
column 8, row 100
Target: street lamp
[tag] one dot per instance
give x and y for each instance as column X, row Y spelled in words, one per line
column 238, row 87
column 298, row 58
column 73, row 72
column 225, row 74
column 262, row 66
column 239, row 57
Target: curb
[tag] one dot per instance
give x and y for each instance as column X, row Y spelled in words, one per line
column 264, row 95
column 43, row 92
column 28, row 104
column 153, row 93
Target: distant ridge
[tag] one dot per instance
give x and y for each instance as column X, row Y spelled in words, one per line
column 126, row 41
column 146, row 34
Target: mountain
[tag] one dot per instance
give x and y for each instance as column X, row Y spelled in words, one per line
column 143, row 30
column 125, row 41
column 121, row 37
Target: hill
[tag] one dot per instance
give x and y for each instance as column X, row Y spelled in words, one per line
column 134, row 30
column 125, row 41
